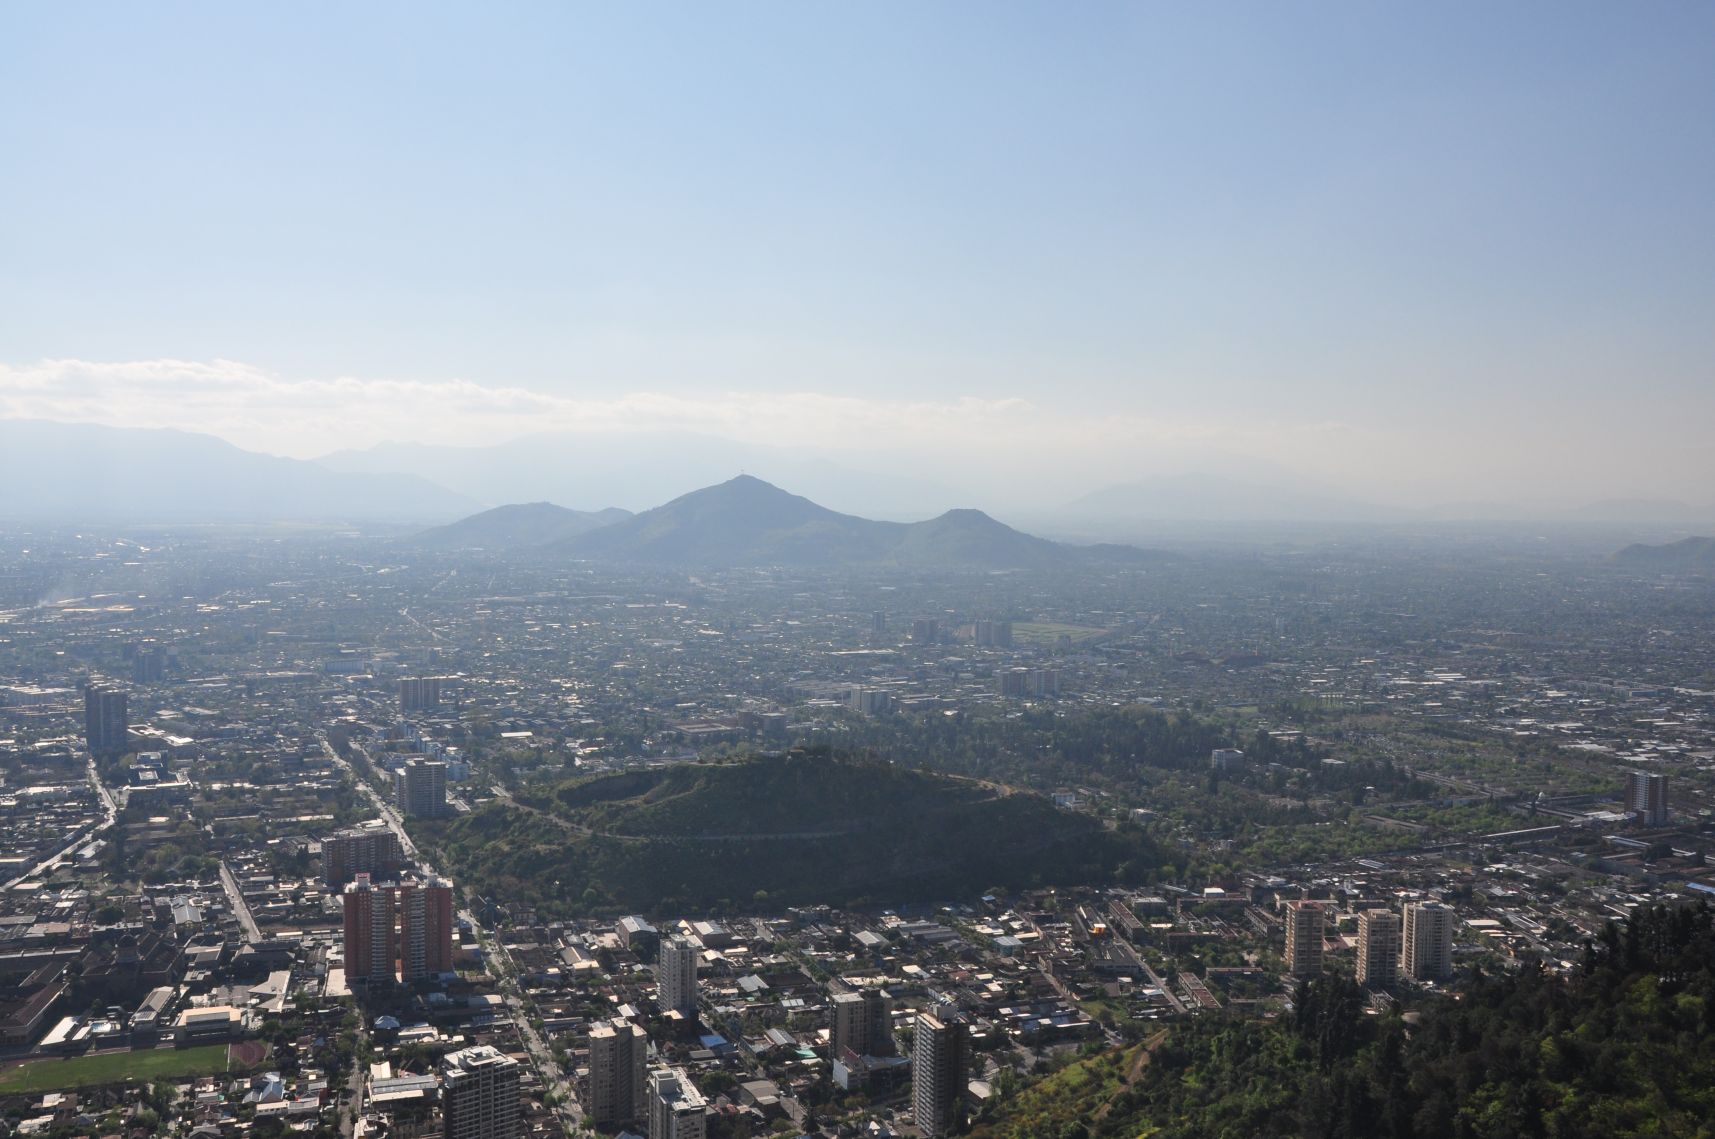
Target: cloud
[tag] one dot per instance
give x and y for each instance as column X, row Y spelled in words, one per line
column 305, row 417
column 1002, row 448
column 1045, row 446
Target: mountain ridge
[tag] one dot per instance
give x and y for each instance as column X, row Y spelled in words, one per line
column 746, row 521
column 1685, row 554
column 92, row 472
column 516, row 526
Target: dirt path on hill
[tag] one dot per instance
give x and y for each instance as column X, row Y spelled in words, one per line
column 1133, row 1073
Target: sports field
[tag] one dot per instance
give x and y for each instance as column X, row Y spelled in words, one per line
column 113, row 1068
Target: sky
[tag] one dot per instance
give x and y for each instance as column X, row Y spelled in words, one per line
column 1418, row 253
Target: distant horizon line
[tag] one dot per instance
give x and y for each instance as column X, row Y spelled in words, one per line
column 1616, row 508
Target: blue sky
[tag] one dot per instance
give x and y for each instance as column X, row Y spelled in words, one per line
column 1429, row 250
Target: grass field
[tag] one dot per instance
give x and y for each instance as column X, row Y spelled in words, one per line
column 113, row 1068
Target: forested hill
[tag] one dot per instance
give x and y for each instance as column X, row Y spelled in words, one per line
column 801, row 828
column 1624, row 1048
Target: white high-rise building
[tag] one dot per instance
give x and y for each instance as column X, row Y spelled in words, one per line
column 420, row 788
column 1427, row 953
column 676, row 976
column 479, row 1094
column 677, row 1109
column 1378, row 948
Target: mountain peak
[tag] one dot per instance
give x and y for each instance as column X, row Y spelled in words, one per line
column 966, row 516
column 748, row 486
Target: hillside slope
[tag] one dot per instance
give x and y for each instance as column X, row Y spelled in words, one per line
column 972, row 538
column 1623, row 1047
column 519, row 526
column 1686, row 554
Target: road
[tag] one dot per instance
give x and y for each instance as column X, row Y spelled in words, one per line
column 498, row 960
column 110, row 813
column 389, row 814
column 240, row 907
column 1155, row 980
column 505, row 972
column 349, row 1120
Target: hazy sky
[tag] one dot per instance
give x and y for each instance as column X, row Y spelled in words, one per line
column 1424, row 252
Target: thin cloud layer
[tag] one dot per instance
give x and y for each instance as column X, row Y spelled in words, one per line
column 307, row 417
column 1007, row 448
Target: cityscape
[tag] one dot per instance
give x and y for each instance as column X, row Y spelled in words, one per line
column 985, row 569
column 341, row 834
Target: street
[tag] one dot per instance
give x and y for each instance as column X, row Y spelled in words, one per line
column 499, row 963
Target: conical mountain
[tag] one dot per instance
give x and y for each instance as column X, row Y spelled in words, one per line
column 743, row 521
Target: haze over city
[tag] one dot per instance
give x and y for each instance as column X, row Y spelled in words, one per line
column 1417, row 257
column 857, row 571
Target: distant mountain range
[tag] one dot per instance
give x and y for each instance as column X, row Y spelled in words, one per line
column 522, row 526
column 746, row 521
column 78, row 472
column 640, row 470
column 1689, row 554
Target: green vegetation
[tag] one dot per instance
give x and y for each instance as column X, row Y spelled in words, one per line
column 174, row 850
column 1089, row 1087
column 803, row 828
column 1464, row 819
column 113, row 1068
column 1625, row 1048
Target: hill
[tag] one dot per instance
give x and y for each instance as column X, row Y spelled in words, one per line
column 1687, row 554
column 1625, row 1046
column 798, row 829
column 972, row 538
column 746, row 521
column 519, row 526
column 77, row 472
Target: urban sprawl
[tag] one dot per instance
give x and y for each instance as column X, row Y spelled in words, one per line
column 257, row 790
